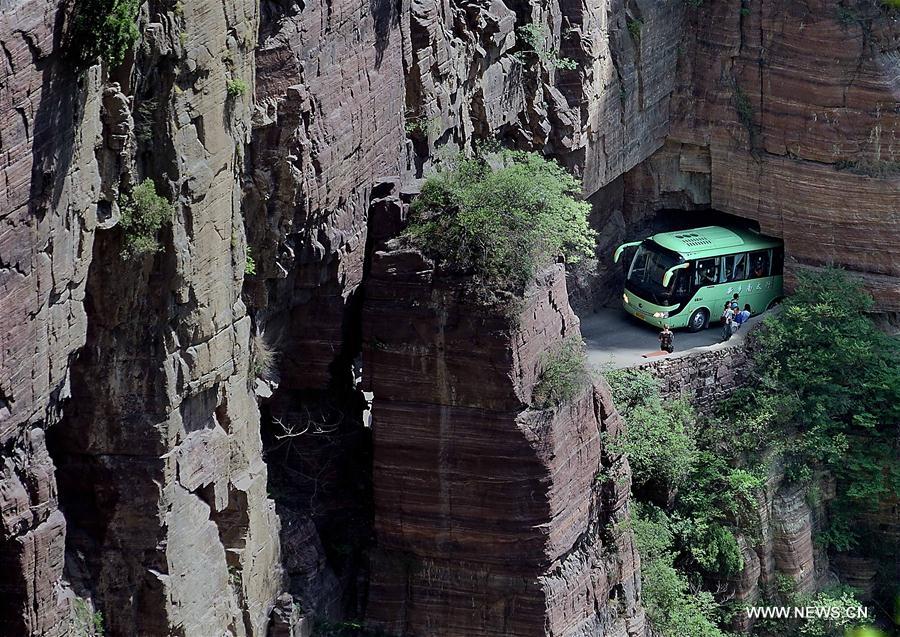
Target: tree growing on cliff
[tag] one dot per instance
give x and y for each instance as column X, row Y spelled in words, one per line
column 498, row 218
column 836, row 379
column 104, row 29
column 143, row 214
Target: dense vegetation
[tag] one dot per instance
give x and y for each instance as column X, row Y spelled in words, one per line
column 104, row 29
column 498, row 218
column 823, row 395
column 826, row 396
column 143, row 214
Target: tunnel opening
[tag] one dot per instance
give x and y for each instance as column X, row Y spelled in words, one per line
column 699, row 262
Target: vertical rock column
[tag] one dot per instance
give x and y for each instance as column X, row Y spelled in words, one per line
column 160, row 457
column 492, row 518
column 49, row 125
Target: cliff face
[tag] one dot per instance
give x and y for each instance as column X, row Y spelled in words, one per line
column 490, row 517
column 167, row 526
column 150, row 498
column 48, row 126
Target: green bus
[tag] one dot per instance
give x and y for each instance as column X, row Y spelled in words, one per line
column 684, row 278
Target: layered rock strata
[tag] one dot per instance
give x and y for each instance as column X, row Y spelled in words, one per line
column 167, row 526
column 491, row 517
column 49, row 177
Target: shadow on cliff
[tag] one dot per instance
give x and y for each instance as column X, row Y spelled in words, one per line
column 59, row 114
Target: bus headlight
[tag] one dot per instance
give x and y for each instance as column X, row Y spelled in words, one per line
column 660, row 315
column 627, row 300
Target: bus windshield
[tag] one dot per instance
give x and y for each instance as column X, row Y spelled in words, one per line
column 646, row 273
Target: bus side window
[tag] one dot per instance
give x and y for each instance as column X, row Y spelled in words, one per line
column 759, row 264
column 778, row 262
column 736, row 267
column 706, row 272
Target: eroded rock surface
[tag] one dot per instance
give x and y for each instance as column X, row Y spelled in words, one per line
column 490, row 516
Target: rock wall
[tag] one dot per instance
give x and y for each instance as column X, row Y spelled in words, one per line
column 489, row 515
column 129, row 429
column 167, row 527
column 49, row 124
column 704, row 377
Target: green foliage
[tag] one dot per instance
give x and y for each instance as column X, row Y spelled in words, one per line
column 535, row 37
column 143, row 213
column 104, row 29
column 564, row 373
column 249, row 264
column 675, row 608
column 236, row 87
column 659, row 439
column 661, row 442
column 837, row 623
column 634, row 28
column 498, row 218
column 85, row 622
column 838, row 377
column 891, row 4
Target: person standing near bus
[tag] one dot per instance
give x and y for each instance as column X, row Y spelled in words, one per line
column 727, row 321
column 667, row 340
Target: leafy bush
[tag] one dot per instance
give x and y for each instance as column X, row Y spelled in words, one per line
column 143, row 214
column 104, row 29
column 498, row 218
column 237, row 87
column 249, row 264
column 675, row 608
column 838, row 380
column 564, row 374
column 535, row 36
column 85, row 622
column 634, row 28
column 659, row 439
column 662, row 445
column 743, row 107
column 891, row 4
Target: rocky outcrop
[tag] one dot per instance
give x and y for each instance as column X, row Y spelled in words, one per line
column 327, row 126
column 491, row 517
column 167, row 525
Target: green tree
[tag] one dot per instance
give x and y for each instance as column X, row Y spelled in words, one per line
column 143, row 213
column 104, row 29
column 837, row 377
column 674, row 606
column 498, row 218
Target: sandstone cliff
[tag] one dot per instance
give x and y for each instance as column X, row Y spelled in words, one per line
column 490, row 516
column 150, row 499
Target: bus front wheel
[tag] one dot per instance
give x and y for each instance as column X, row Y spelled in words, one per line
column 698, row 321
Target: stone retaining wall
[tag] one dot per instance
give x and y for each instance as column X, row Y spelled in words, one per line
column 705, row 375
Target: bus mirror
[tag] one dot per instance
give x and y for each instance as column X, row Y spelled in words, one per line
column 667, row 277
column 618, row 253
